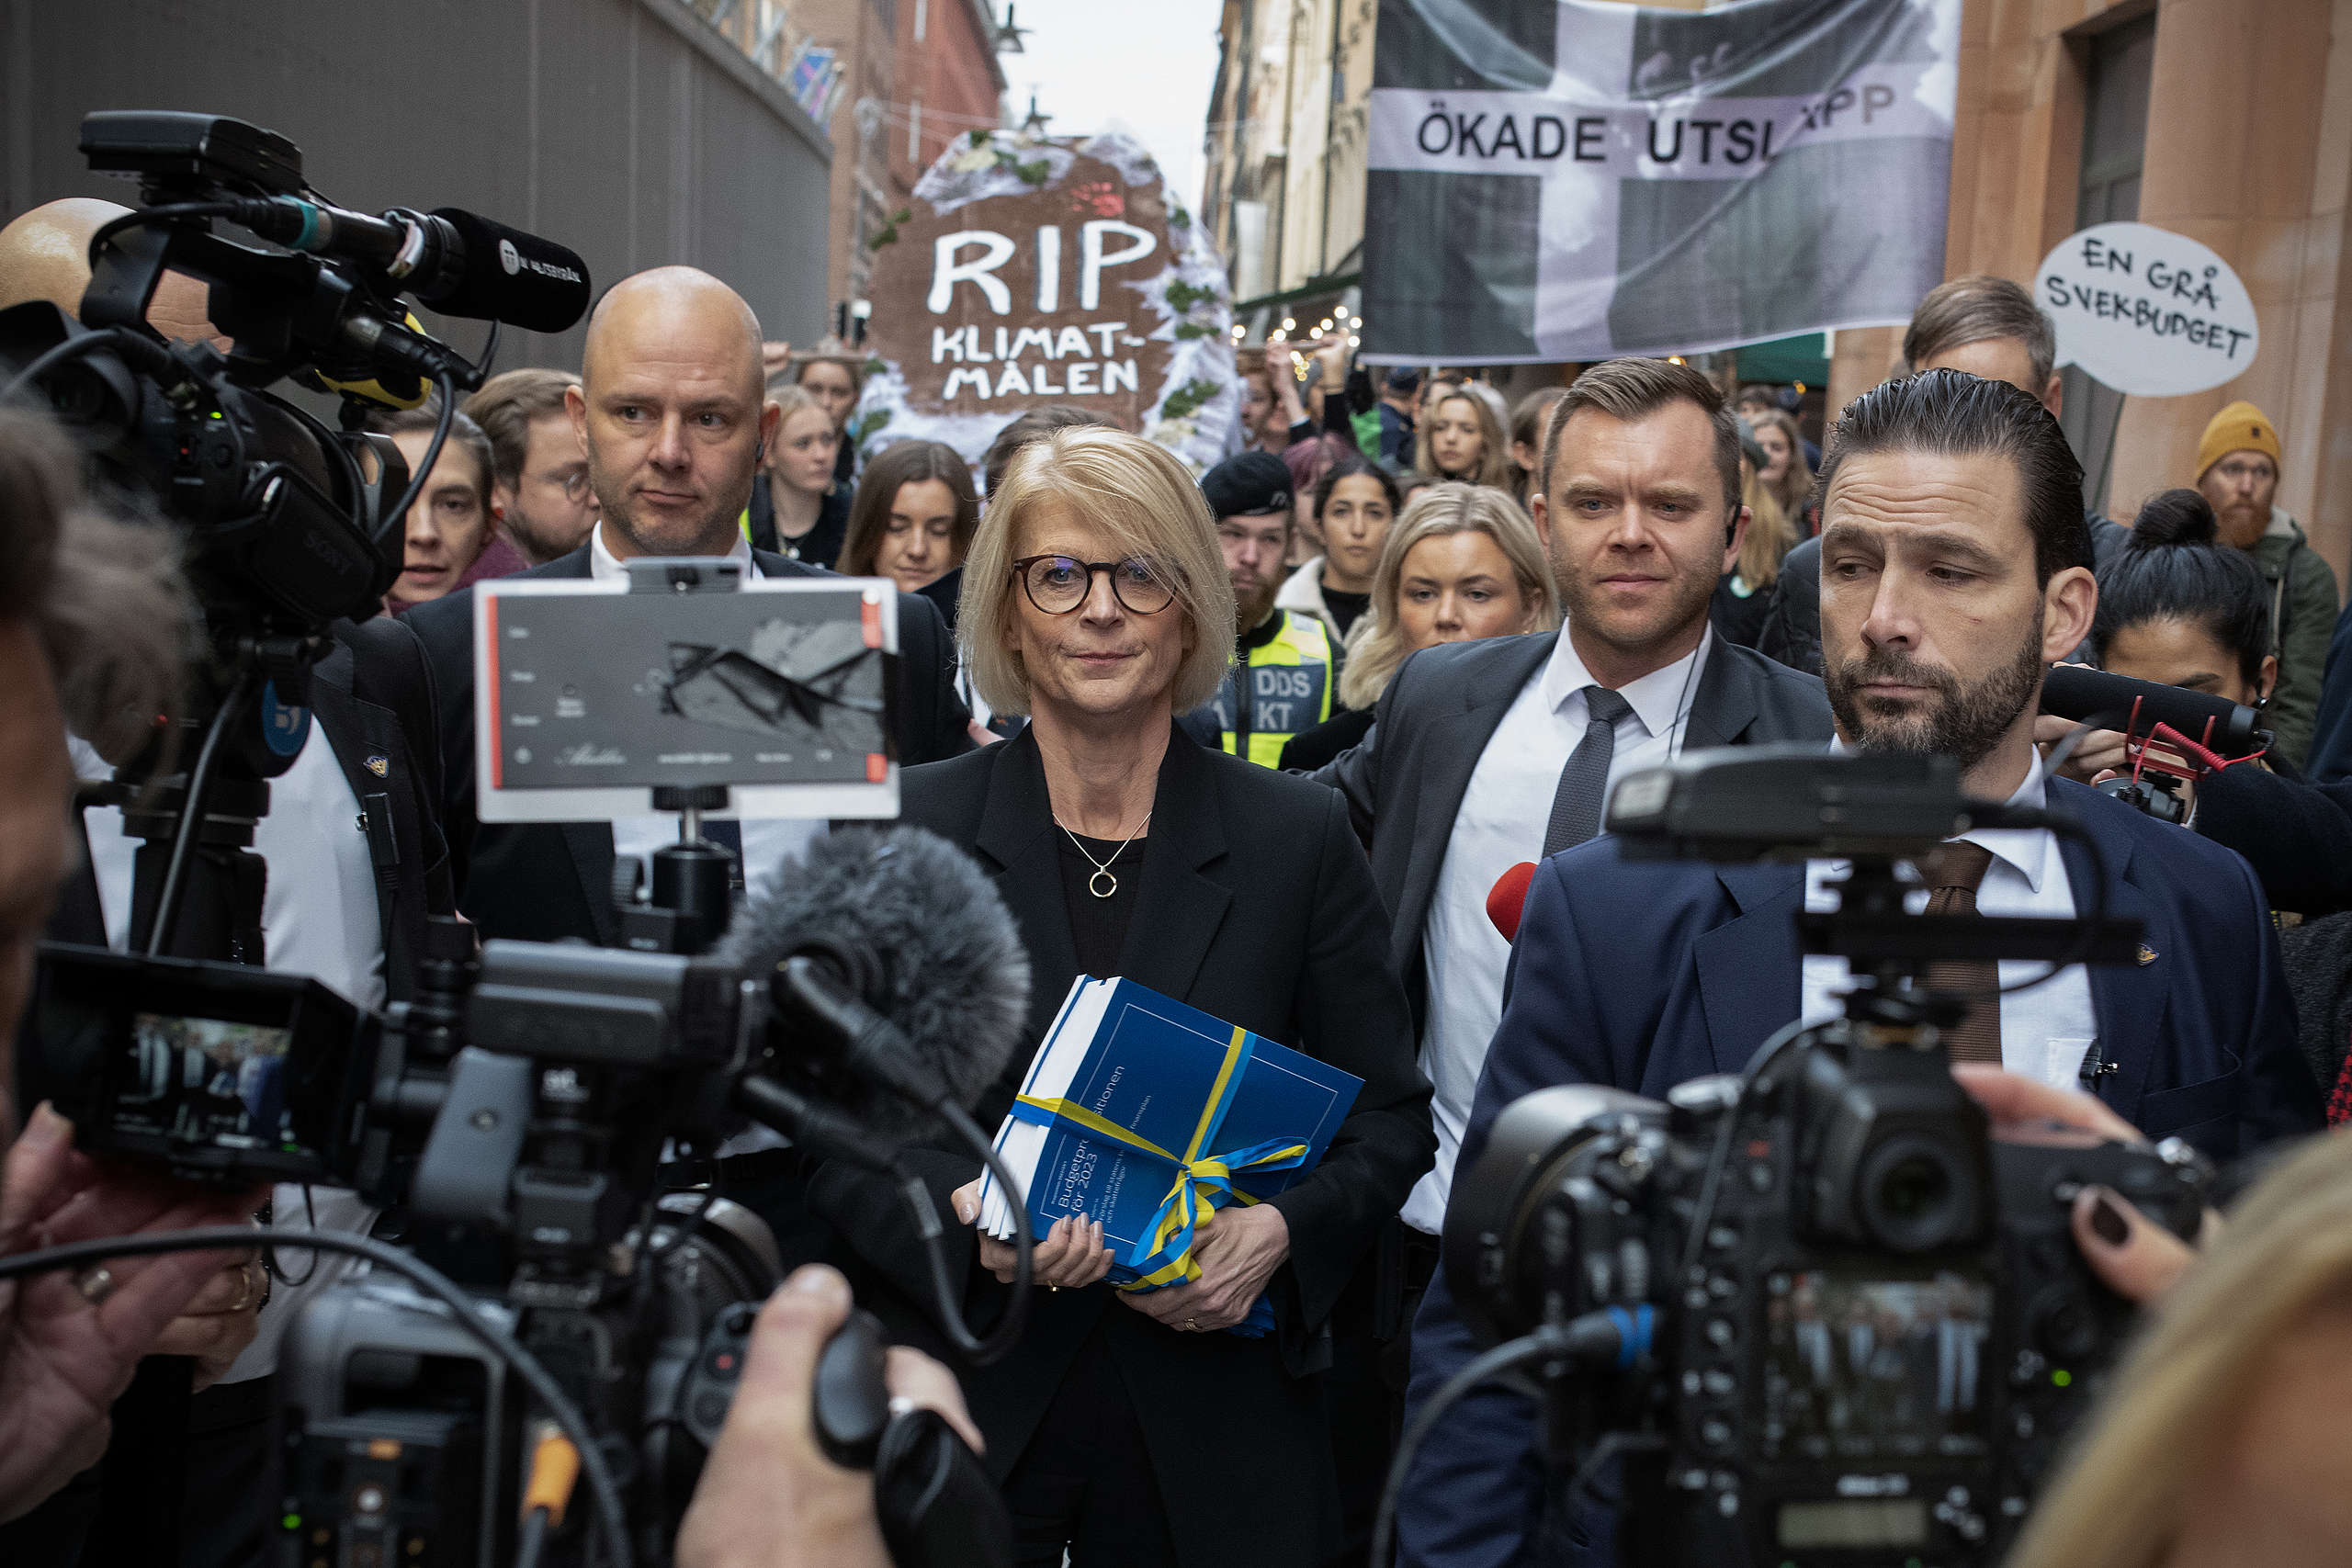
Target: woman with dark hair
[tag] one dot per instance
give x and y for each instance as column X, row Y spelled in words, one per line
column 451, row 536
column 2177, row 607
column 1353, row 504
column 913, row 517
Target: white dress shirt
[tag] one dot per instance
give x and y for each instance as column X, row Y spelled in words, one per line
column 1502, row 821
column 768, row 841
column 2047, row 1032
column 319, row 918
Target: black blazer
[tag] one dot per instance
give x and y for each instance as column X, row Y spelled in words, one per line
column 1257, row 906
column 547, row 881
column 1432, row 724
column 376, row 701
column 2296, row 835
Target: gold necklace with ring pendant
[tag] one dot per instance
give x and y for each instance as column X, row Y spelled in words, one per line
column 1103, row 868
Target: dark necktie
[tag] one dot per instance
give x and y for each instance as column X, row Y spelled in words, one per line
column 1584, row 781
column 1952, row 873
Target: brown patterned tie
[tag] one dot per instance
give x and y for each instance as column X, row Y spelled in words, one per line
column 1952, row 873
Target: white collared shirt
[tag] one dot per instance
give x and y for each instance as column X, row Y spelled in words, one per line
column 2047, row 1032
column 607, row 567
column 1502, row 821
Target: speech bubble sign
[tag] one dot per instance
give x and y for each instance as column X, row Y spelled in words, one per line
column 2149, row 312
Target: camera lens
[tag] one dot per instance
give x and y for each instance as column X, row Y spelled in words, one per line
column 1913, row 1194
column 1914, row 1188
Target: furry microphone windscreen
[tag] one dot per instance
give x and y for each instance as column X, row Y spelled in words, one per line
column 946, row 962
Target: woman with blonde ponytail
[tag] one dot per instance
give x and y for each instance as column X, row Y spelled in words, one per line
column 2225, row 1438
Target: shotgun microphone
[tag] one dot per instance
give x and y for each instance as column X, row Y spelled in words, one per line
column 453, row 261
column 2117, row 702
column 900, row 950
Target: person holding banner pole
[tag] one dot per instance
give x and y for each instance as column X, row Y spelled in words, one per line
column 1127, row 1428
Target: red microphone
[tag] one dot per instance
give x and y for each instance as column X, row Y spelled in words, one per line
column 1509, row 897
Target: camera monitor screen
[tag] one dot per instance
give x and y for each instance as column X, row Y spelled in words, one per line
column 212, row 1069
column 592, row 692
column 1862, row 1368
column 207, row 1080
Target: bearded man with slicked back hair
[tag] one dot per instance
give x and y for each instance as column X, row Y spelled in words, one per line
column 1988, row 327
column 673, row 413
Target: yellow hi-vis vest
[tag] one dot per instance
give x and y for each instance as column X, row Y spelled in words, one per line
column 1283, row 688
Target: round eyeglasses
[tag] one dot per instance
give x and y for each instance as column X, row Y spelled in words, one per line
column 1059, row 585
column 573, row 481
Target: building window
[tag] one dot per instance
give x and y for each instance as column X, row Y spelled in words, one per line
column 2115, row 140
column 914, row 123
column 923, row 18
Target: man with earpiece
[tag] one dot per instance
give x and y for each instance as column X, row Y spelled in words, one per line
column 1487, row 755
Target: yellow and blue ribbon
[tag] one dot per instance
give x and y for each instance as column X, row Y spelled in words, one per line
column 1203, row 1183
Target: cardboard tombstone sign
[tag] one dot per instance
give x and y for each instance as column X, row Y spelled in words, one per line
column 1033, row 271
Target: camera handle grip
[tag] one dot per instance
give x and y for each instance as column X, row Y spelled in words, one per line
column 937, row 1506
column 852, row 1402
column 935, row 1503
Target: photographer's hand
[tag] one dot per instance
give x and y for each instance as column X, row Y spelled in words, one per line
column 69, row 1343
column 768, row 1497
column 219, row 1322
column 2136, row 1258
column 2100, row 751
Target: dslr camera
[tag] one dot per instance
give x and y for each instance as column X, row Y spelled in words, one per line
column 1814, row 1312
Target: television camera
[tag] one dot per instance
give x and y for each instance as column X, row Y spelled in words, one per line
column 1814, row 1312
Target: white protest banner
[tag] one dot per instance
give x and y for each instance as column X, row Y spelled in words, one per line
column 1574, row 180
column 2149, row 312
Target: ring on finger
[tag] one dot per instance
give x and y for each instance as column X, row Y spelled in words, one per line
column 246, row 1289
column 95, row 1283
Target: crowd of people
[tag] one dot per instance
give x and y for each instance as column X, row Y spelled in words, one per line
column 1265, row 740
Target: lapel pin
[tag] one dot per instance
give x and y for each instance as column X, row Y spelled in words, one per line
column 2147, row 956
column 380, row 765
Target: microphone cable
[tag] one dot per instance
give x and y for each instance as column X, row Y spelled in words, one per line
column 1612, row 1333
column 1008, row 1328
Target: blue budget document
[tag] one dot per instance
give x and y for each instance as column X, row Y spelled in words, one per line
column 1130, row 1087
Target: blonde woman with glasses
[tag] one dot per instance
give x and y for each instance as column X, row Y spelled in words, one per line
column 1129, row 1428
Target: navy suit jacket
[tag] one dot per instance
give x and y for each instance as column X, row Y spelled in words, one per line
column 2202, row 1033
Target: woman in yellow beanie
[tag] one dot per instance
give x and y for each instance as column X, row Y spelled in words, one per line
column 2237, row 470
